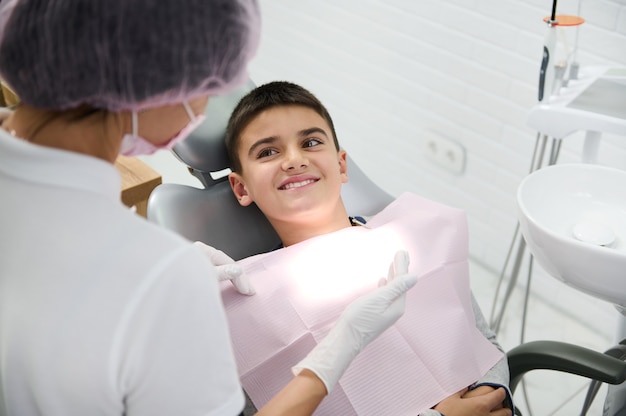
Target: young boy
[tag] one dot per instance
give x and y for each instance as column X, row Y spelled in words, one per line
column 286, row 158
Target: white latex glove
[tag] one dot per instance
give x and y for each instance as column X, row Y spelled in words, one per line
column 227, row 269
column 362, row 321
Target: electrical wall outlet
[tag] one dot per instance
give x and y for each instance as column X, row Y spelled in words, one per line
column 446, row 153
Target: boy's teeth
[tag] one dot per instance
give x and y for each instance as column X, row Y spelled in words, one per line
column 298, row 184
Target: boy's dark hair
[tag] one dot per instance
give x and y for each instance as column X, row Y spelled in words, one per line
column 273, row 94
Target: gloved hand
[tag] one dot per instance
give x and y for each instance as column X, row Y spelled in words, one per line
column 362, row 321
column 227, row 269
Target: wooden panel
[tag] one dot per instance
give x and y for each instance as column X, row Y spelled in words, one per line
column 138, row 181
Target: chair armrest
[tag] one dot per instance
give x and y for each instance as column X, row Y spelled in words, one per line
column 568, row 358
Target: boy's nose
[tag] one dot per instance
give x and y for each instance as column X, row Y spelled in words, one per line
column 294, row 159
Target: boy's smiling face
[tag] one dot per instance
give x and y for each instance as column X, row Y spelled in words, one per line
column 290, row 167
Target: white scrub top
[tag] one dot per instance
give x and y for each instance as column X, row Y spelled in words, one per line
column 101, row 312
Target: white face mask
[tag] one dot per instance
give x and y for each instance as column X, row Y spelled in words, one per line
column 135, row 145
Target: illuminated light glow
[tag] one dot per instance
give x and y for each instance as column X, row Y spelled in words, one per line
column 345, row 252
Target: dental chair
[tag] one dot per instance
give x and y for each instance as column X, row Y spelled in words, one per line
column 213, row 215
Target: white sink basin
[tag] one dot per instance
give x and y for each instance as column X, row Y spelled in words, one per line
column 573, row 218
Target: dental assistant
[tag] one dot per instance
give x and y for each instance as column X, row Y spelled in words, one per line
column 101, row 312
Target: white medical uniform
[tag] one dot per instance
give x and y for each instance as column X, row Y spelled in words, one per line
column 101, row 312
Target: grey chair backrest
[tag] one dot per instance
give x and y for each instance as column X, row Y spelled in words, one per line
column 213, row 215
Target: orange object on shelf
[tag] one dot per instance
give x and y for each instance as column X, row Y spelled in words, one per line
column 566, row 20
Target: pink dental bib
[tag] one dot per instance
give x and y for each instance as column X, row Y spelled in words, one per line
column 433, row 351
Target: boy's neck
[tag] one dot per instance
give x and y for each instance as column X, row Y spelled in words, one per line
column 291, row 232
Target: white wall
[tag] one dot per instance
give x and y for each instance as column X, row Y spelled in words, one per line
column 389, row 71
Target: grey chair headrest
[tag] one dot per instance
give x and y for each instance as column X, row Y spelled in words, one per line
column 204, row 151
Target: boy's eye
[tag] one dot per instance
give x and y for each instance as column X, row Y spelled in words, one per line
column 311, row 143
column 266, row 152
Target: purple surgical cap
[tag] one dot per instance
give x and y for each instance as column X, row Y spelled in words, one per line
column 124, row 54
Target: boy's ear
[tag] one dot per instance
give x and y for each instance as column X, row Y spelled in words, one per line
column 343, row 165
column 239, row 189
